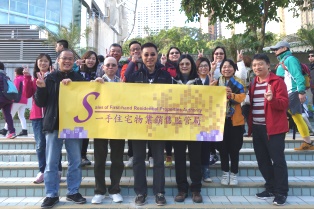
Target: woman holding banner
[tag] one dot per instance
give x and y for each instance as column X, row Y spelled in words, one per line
column 187, row 75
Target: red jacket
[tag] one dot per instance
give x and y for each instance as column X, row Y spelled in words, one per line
column 276, row 109
column 29, row 88
column 17, row 80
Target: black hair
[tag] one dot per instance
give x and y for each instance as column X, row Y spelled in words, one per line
column 200, row 60
column 310, row 52
column 86, row 55
column 64, row 43
column 234, row 65
column 101, row 58
column 19, row 70
column 173, row 47
column 1, row 66
column 261, row 57
column 134, row 42
column 116, row 45
column 219, row 47
column 36, row 68
column 193, row 73
column 147, row 45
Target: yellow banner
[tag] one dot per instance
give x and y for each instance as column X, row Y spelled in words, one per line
column 142, row 111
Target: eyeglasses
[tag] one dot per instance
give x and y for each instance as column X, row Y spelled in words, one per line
column 185, row 63
column 172, row 53
column 311, row 55
column 203, row 66
column 152, row 55
column 219, row 53
column 67, row 58
column 135, row 49
column 110, row 64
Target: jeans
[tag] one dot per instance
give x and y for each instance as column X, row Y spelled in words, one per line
column 53, row 151
column 41, row 144
column 139, row 167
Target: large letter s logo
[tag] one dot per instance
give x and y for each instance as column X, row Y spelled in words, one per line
column 87, row 107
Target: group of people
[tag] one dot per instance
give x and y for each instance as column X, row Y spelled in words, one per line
column 270, row 98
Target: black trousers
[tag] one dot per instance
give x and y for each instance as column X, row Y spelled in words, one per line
column 194, row 150
column 117, row 165
column 205, row 153
column 230, row 147
column 84, row 147
column 130, row 149
column 269, row 151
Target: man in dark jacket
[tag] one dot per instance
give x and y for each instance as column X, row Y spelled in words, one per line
column 47, row 95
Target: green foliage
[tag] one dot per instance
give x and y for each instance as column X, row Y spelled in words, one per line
column 255, row 14
column 306, row 36
column 27, row 114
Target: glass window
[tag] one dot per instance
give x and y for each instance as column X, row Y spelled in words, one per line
column 19, row 6
column 37, row 8
column 67, row 12
column 4, row 4
column 3, row 18
column 53, row 10
column 35, row 22
column 17, row 20
column 53, row 28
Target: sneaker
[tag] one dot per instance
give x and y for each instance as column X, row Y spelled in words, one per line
column 160, row 199
column 168, row 161
column 11, row 136
column 151, row 162
column 23, row 133
column 279, row 200
column 116, row 197
column 49, row 202
column 197, row 197
column 225, row 178
column 180, row 197
column 39, row 178
column 97, row 199
column 213, row 158
column 205, row 174
column 85, row 161
column 140, row 200
column 305, row 146
column 3, row 132
column 129, row 163
column 233, row 179
column 77, row 198
column 264, row 195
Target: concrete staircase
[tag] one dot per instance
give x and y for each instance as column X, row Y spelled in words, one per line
column 18, row 167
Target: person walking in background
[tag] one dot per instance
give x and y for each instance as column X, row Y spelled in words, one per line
column 268, row 122
column 99, row 71
column 60, row 46
column 18, row 106
column 296, row 89
column 5, row 105
column 232, row 142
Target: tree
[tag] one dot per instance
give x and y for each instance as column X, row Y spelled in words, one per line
column 72, row 34
column 305, row 35
column 254, row 13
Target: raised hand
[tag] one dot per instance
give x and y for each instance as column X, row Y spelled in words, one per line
column 26, row 70
column 213, row 66
column 80, row 62
column 269, row 94
column 239, row 55
column 135, row 58
column 163, row 59
column 40, row 82
column 200, row 53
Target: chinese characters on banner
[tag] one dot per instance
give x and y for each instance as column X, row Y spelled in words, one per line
column 142, row 111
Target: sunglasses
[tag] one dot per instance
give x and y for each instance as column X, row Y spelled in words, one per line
column 311, row 55
column 172, row 53
column 152, row 55
column 219, row 53
column 112, row 65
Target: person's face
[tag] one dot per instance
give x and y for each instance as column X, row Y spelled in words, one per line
column 43, row 64
column 59, row 47
column 227, row 70
column 280, row 50
column 260, row 68
column 174, row 55
column 135, row 49
column 185, row 66
column 203, row 68
column 115, row 52
column 91, row 61
column 219, row 55
column 110, row 66
column 66, row 61
column 311, row 58
column 149, row 57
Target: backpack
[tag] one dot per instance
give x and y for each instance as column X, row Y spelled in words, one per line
column 305, row 72
column 9, row 90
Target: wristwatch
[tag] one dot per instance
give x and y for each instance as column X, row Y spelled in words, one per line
column 302, row 92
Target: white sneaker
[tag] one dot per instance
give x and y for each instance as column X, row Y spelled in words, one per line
column 225, row 178
column 151, row 162
column 129, row 163
column 39, row 178
column 116, row 197
column 97, row 199
column 233, row 179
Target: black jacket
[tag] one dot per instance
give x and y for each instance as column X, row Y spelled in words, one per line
column 48, row 97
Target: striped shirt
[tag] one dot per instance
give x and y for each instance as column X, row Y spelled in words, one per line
column 258, row 103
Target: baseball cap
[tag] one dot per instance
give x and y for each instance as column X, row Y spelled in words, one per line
column 279, row 45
